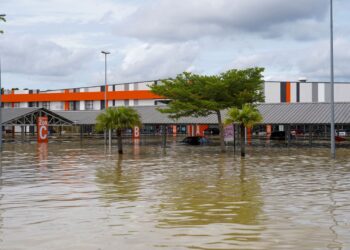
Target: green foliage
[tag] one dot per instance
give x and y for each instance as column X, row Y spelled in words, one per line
column 248, row 116
column 118, row 118
column 4, row 20
column 200, row 95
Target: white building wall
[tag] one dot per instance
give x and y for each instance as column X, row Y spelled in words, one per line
column 144, row 85
column 82, row 105
column 293, row 90
column 57, row 105
column 272, row 92
column 146, row 102
column 321, row 92
column 23, row 105
column 21, row 91
column 342, row 92
column 53, row 91
column 97, row 105
column 305, row 92
column 93, row 89
column 119, row 87
column 119, row 103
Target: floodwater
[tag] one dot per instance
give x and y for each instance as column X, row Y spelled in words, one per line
column 80, row 196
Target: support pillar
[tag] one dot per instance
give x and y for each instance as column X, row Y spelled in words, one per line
column 310, row 134
column 22, row 133
column 81, row 131
column 234, row 137
column 164, row 134
column 110, row 138
column 288, row 134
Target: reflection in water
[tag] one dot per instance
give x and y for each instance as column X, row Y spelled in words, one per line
column 42, row 154
column 117, row 184
column 82, row 196
column 216, row 200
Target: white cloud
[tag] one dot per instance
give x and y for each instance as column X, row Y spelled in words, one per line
column 154, row 61
column 27, row 55
column 312, row 61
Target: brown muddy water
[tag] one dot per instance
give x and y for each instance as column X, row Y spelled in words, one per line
column 80, row 196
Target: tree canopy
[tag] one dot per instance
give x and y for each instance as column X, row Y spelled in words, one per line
column 118, row 118
column 248, row 116
column 200, row 95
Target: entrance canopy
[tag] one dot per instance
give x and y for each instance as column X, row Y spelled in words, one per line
column 29, row 116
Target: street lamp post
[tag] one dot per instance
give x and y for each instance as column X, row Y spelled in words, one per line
column 105, row 107
column 105, row 53
column 3, row 16
column 332, row 83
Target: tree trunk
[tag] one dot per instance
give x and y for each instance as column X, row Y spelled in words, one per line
column 221, row 128
column 242, row 140
column 120, row 142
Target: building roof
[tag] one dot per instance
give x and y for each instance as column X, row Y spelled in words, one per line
column 149, row 115
column 304, row 113
column 278, row 113
column 28, row 116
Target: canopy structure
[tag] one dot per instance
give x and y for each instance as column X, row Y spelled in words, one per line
column 275, row 113
column 280, row 113
column 28, row 117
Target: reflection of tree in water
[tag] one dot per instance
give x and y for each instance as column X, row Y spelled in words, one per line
column 203, row 199
column 119, row 183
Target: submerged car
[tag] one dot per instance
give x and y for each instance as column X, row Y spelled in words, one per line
column 195, row 140
column 280, row 135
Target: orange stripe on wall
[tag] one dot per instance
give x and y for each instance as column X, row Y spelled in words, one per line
column 80, row 96
column 66, row 103
column 288, row 92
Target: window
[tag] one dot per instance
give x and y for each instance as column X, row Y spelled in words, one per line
column 46, row 105
column 89, row 105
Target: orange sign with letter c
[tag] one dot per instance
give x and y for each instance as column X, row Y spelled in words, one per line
column 43, row 129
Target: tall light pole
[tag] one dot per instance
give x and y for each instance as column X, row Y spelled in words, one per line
column 105, row 53
column 105, row 133
column 2, row 17
column 332, row 84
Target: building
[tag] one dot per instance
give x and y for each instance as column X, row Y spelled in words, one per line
column 138, row 94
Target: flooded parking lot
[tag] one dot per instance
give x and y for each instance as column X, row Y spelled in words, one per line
column 72, row 195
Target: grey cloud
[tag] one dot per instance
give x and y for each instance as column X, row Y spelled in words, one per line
column 27, row 55
column 193, row 19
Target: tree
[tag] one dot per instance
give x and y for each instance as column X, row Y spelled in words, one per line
column 247, row 117
column 200, row 95
column 118, row 118
column 2, row 18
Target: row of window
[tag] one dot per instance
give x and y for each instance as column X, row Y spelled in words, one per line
column 75, row 105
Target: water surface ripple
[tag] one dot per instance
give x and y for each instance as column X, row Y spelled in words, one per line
column 77, row 195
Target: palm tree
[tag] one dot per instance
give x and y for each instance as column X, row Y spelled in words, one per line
column 118, row 118
column 2, row 18
column 247, row 117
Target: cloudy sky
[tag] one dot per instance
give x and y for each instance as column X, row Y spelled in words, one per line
column 56, row 43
